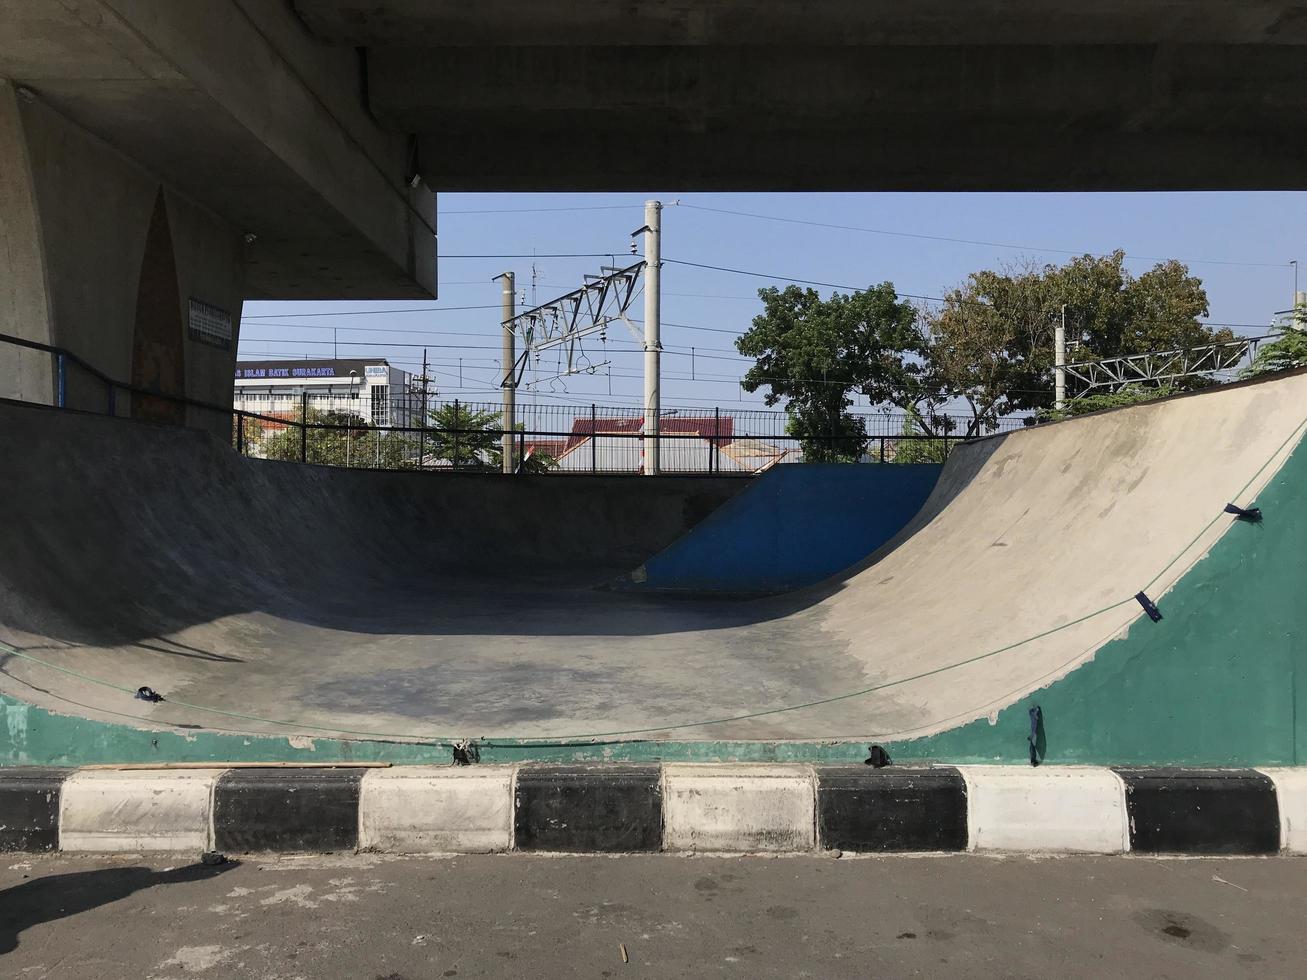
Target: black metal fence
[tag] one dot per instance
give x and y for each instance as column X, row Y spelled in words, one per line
column 335, row 429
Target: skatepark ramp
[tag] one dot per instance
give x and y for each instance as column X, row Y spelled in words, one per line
column 793, row 527
column 287, row 612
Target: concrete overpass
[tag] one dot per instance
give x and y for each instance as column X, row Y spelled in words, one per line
column 965, row 95
column 155, row 152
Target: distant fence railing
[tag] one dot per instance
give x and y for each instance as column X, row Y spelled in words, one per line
column 442, row 436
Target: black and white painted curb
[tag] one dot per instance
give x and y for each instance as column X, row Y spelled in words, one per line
column 647, row 808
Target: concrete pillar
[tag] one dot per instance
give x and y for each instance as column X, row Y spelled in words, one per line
column 24, row 310
column 104, row 260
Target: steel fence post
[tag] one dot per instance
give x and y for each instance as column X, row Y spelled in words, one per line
column 716, row 440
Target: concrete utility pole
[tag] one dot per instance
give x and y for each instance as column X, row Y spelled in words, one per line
column 1298, row 315
column 509, row 381
column 1059, row 362
column 653, row 347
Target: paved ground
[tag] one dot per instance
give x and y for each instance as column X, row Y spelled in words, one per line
column 367, row 918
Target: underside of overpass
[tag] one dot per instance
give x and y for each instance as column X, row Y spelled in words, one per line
column 958, row 95
column 156, row 154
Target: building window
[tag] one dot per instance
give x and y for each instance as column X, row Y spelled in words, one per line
column 209, row 325
column 381, row 404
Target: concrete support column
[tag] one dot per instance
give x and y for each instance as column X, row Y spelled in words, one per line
column 24, row 310
column 105, row 260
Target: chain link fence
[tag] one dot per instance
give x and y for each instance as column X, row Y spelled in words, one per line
column 410, row 432
column 333, row 430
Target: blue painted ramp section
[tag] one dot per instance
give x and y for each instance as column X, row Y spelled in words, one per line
column 796, row 525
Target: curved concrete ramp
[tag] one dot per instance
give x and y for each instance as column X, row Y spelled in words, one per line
column 793, row 527
column 1021, row 567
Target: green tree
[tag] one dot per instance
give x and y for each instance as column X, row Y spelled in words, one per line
column 815, row 353
column 537, row 462
column 1127, row 395
column 337, row 438
column 991, row 344
column 934, row 450
column 1285, row 354
column 468, row 438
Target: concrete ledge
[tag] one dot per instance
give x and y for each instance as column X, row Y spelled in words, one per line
column 646, row 808
column 886, row 810
column 287, row 810
column 430, row 809
column 1201, row 811
column 738, row 808
column 29, row 808
column 1291, row 800
column 599, row 808
column 1058, row 809
column 157, row 810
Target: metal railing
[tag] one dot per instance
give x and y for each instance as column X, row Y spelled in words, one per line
column 455, row 436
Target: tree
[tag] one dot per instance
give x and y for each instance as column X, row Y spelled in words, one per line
column 1285, row 354
column 536, row 462
column 815, row 352
column 919, row 450
column 1127, row 395
column 991, row 344
column 468, row 438
column 337, row 438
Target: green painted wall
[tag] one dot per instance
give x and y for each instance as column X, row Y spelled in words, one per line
column 1217, row 682
column 34, row 736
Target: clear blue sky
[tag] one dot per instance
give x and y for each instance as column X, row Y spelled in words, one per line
column 1239, row 244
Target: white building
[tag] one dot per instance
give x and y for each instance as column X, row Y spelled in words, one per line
column 370, row 389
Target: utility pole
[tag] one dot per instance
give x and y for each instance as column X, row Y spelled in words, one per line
column 653, row 221
column 1299, row 319
column 425, row 378
column 1059, row 362
column 509, row 380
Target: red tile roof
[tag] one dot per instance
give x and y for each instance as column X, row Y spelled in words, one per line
column 706, row 427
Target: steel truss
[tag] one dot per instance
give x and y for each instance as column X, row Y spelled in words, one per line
column 562, row 322
column 1167, row 365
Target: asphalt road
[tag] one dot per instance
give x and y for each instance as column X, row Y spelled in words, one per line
column 368, row 918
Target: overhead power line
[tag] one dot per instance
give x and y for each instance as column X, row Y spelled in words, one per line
column 969, row 241
column 414, row 309
column 835, row 285
column 802, row 282
column 539, row 255
column 368, row 343
column 421, row 331
column 588, row 207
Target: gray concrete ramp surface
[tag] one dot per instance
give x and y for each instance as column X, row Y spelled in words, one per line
column 422, row 605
